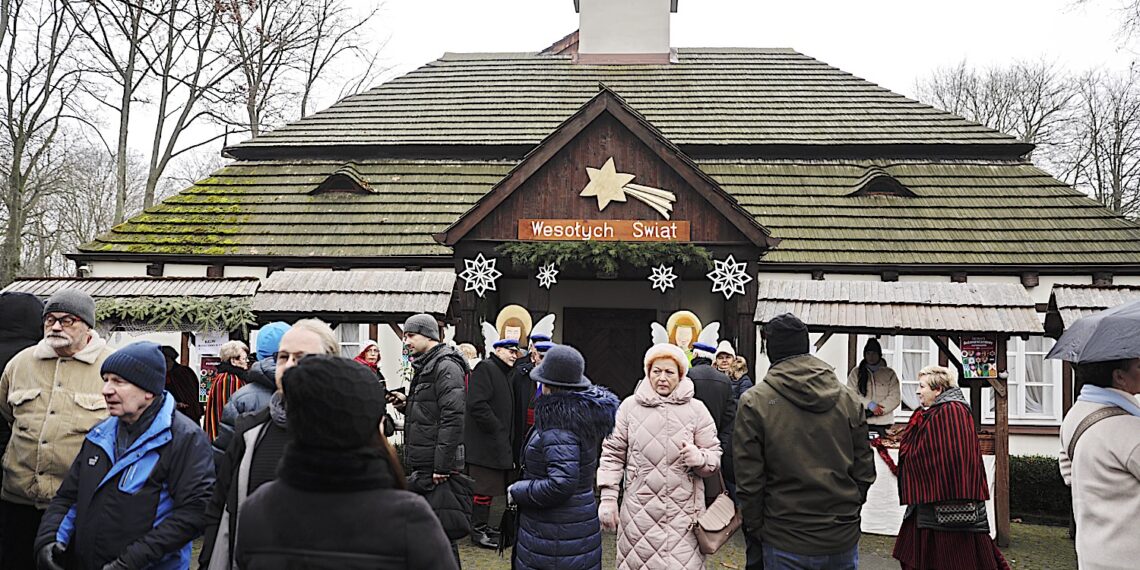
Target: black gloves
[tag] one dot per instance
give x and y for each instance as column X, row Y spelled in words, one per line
column 50, row 557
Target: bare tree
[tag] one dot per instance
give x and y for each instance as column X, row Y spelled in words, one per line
column 1106, row 150
column 1029, row 100
column 116, row 34
column 1129, row 11
column 40, row 81
column 286, row 49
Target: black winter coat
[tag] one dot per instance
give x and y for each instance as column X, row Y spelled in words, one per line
column 260, row 384
column 338, row 510
column 21, row 327
column 449, row 500
column 522, row 396
column 714, row 389
column 150, row 507
column 433, row 417
column 558, row 516
column 490, row 415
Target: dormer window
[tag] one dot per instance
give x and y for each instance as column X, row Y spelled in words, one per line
column 878, row 182
column 345, row 179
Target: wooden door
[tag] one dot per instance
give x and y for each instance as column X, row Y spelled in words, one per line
column 613, row 341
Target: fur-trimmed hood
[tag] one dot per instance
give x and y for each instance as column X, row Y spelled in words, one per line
column 588, row 413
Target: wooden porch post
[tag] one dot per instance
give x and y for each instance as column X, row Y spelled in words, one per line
column 1001, row 445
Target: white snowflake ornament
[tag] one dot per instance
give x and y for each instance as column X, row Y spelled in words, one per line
column 547, row 275
column 729, row 277
column 662, row 277
column 480, row 274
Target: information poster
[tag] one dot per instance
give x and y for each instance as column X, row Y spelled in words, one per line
column 209, row 366
column 979, row 358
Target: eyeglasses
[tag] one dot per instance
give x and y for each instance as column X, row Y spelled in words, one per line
column 67, row 321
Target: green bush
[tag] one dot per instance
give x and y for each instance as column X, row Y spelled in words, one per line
column 1036, row 491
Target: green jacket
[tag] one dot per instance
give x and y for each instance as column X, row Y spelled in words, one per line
column 803, row 464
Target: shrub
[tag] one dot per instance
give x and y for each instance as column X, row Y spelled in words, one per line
column 1037, row 492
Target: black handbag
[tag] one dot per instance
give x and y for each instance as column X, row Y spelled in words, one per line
column 954, row 516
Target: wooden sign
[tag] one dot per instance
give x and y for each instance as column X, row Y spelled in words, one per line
column 603, row 230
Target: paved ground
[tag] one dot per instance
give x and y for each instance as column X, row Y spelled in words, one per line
column 1033, row 547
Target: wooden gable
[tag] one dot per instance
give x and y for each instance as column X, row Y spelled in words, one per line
column 548, row 183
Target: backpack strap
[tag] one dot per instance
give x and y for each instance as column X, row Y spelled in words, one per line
column 1101, row 414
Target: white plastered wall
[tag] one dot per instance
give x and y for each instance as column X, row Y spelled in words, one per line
column 625, row 27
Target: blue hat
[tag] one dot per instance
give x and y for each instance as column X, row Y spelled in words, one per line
column 141, row 364
column 543, row 346
column 539, row 337
column 562, row 367
column 269, row 338
column 704, row 347
column 506, row 343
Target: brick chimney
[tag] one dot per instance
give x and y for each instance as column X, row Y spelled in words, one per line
column 623, row 32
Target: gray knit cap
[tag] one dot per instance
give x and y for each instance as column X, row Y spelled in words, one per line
column 73, row 302
column 422, row 324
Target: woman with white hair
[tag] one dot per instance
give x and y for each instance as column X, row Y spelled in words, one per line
column 663, row 443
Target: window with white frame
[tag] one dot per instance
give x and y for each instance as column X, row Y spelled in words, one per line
column 1034, row 382
column 351, row 336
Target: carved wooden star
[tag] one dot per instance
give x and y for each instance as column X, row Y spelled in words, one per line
column 607, row 184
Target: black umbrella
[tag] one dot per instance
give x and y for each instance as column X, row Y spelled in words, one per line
column 1112, row 334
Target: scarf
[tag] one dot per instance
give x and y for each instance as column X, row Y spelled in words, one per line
column 951, row 394
column 1110, row 397
column 127, row 434
column 277, row 409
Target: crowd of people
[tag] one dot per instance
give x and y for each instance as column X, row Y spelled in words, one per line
column 288, row 464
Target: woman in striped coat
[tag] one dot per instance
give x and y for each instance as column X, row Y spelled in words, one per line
column 940, row 460
column 229, row 376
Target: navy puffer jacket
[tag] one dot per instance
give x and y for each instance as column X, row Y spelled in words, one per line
column 558, row 516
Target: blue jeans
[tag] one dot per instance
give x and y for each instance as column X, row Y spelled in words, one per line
column 781, row 560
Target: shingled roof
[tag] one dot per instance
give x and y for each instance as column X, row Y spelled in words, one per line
column 964, row 212
column 717, row 96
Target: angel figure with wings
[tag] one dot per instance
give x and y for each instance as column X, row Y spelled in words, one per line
column 683, row 329
column 514, row 322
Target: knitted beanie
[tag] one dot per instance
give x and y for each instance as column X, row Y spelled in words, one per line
column 873, row 346
column 140, row 363
column 269, row 338
column 667, row 350
column 422, row 324
column 333, row 403
column 786, row 336
column 72, row 302
column 725, row 347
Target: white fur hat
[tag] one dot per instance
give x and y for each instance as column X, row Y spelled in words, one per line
column 725, row 347
column 666, row 350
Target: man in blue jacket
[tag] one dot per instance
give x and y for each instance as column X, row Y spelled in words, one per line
column 136, row 494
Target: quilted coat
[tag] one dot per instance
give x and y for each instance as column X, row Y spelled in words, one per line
column 662, row 497
column 558, row 517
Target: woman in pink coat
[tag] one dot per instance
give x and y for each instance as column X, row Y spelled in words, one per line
column 663, row 443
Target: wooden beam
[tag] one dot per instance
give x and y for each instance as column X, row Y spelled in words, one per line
column 822, row 341
column 396, row 329
column 852, row 352
column 373, row 332
column 1001, row 448
column 184, row 354
column 951, row 358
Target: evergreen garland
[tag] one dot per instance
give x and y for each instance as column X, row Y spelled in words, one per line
column 214, row 314
column 604, row 256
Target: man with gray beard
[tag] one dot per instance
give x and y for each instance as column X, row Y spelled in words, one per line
column 51, row 394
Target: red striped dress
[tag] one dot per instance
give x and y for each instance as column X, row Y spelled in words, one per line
column 940, row 460
column 223, row 385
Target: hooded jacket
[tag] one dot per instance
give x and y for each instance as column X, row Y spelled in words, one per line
column 662, row 497
column 144, row 507
column 260, row 384
column 21, row 327
column 558, row 516
column 803, row 464
column 433, row 421
column 51, row 402
column 490, row 419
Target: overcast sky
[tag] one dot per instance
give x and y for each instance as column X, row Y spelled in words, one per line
column 889, row 42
